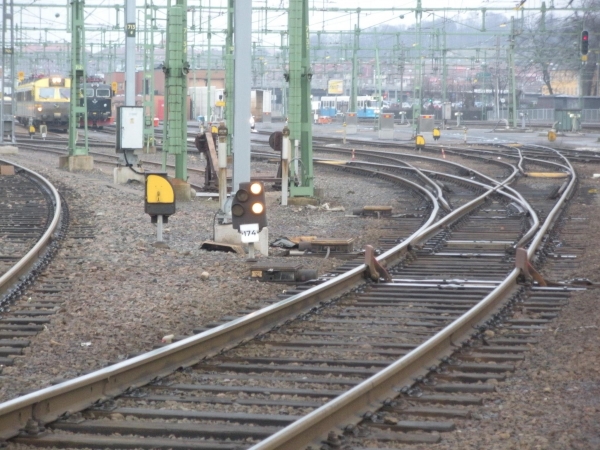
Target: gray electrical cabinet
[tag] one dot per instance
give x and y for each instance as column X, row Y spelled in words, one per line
column 130, row 128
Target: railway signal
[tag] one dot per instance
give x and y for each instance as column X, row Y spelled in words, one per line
column 159, row 200
column 585, row 42
column 248, row 209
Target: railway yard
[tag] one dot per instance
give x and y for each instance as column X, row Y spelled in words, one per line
column 115, row 342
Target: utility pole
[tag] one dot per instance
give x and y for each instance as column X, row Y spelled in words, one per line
column 378, row 75
column 8, row 50
column 444, row 67
column 243, row 50
column 148, row 87
column 497, row 77
column 300, row 122
column 128, row 158
column 354, row 88
column 229, row 76
column 208, row 70
column 176, row 69
column 418, row 77
column 511, row 67
column 78, row 104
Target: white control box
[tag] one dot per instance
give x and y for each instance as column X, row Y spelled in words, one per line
column 130, row 128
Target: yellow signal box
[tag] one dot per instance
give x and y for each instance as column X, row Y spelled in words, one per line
column 159, row 196
column 552, row 135
column 114, row 86
column 419, row 142
column 21, row 76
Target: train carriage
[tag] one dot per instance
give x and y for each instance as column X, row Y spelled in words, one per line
column 99, row 103
column 367, row 108
column 340, row 104
column 44, row 101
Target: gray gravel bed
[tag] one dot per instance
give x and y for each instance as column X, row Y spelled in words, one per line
column 127, row 294
column 549, row 403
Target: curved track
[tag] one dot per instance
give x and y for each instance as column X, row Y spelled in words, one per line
column 332, row 351
column 30, row 233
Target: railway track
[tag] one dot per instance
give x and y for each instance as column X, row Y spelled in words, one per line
column 31, row 230
column 339, row 351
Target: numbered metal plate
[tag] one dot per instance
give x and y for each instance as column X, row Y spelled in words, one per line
column 249, row 232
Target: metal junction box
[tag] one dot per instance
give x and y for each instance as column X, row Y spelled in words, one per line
column 351, row 123
column 130, row 128
column 426, row 123
column 386, row 126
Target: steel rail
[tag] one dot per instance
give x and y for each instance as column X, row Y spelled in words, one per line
column 533, row 214
column 440, row 195
column 25, row 263
column 50, row 403
column 347, row 407
column 555, row 212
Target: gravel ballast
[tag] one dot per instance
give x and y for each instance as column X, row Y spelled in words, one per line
column 127, row 294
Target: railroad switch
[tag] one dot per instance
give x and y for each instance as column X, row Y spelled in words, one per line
column 521, row 262
column 320, row 246
column 281, row 273
column 375, row 270
column 374, row 210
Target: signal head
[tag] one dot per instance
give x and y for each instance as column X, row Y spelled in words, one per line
column 256, row 188
column 249, row 206
column 237, row 210
column 242, row 195
column 258, row 208
column 585, row 42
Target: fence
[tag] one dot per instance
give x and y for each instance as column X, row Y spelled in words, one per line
column 545, row 115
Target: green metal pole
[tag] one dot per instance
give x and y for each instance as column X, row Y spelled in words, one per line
column 284, row 90
column 148, row 88
column 511, row 65
column 300, row 122
column 378, row 75
column 176, row 70
column 354, row 89
column 78, row 104
column 208, row 71
column 444, row 67
column 229, row 76
column 418, row 78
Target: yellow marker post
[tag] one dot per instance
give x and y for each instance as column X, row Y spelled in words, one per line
column 552, row 135
column 436, row 133
column 159, row 201
column 419, row 142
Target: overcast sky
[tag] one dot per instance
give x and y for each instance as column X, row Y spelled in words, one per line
column 29, row 15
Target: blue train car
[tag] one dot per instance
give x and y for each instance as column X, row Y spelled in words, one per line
column 367, row 107
column 328, row 107
column 340, row 104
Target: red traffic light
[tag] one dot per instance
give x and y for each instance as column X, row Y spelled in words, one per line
column 584, row 42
